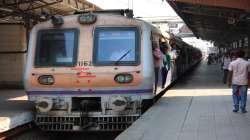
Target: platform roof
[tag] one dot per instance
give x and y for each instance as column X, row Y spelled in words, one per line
column 221, row 21
column 237, row 4
column 38, row 10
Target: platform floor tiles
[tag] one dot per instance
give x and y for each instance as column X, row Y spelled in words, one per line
column 15, row 110
column 198, row 107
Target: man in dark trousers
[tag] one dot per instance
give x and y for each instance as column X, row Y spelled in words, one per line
column 238, row 80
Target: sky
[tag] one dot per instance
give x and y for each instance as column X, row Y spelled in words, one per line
column 142, row 8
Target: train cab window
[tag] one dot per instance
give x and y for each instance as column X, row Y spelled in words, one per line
column 116, row 46
column 56, row 47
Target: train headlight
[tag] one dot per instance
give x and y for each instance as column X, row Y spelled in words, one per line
column 87, row 18
column 123, row 78
column 46, row 80
column 57, row 20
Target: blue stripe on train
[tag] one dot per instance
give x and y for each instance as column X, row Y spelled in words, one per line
column 65, row 92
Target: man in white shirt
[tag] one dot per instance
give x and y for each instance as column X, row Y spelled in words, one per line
column 238, row 79
column 225, row 63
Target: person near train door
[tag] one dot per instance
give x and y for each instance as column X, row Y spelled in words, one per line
column 225, row 63
column 165, row 64
column 157, row 62
column 238, row 80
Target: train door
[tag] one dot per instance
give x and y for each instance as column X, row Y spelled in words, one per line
column 158, row 63
column 174, row 57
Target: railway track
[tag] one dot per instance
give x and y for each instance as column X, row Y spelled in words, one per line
column 37, row 134
column 30, row 132
column 16, row 131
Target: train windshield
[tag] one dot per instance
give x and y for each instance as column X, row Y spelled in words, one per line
column 56, row 48
column 116, row 46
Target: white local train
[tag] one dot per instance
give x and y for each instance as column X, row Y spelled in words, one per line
column 96, row 72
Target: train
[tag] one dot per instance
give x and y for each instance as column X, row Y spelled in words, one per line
column 96, row 71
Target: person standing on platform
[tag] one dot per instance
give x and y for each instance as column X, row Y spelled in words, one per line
column 238, row 80
column 225, row 63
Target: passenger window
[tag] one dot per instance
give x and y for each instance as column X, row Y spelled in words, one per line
column 56, row 48
column 116, row 46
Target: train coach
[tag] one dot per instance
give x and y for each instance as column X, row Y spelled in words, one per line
column 97, row 71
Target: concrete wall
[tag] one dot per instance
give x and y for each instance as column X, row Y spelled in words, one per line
column 12, row 55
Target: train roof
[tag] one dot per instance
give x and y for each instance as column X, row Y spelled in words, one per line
column 114, row 13
column 122, row 12
column 180, row 43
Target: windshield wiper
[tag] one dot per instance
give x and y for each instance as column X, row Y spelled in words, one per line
column 125, row 54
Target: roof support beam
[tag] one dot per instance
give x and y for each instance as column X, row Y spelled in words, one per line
column 4, row 3
column 20, row 10
column 235, row 4
column 42, row 6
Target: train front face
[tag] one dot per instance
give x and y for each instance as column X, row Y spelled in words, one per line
column 86, row 75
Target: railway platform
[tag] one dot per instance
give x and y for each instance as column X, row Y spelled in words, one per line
column 198, row 107
column 15, row 109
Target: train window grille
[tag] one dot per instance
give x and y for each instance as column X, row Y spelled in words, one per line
column 56, row 47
